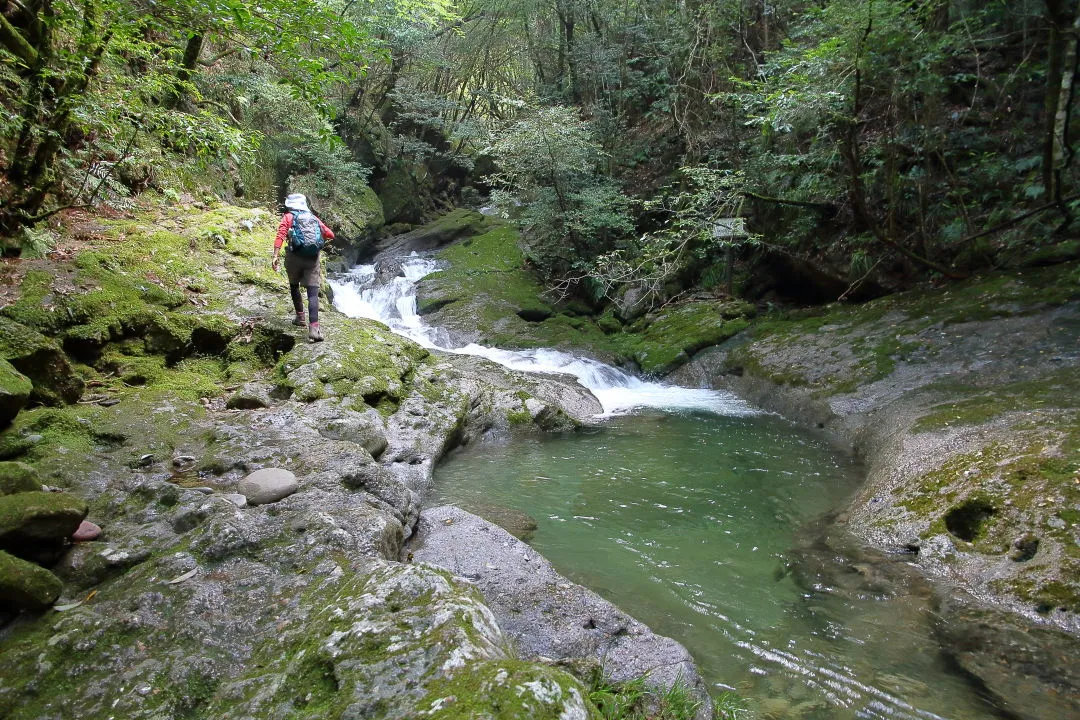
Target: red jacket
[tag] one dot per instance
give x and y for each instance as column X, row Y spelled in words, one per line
column 286, row 223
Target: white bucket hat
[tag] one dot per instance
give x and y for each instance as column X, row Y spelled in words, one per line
column 297, row 202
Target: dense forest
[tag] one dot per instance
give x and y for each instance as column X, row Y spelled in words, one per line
column 803, row 150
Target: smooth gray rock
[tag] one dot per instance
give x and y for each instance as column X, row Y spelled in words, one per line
column 543, row 613
column 236, row 499
column 267, row 485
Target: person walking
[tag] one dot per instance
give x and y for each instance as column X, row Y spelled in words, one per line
column 306, row 234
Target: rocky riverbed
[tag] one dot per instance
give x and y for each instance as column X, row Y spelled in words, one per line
column 255, row 493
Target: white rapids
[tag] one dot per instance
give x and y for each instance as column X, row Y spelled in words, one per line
column 358, row 294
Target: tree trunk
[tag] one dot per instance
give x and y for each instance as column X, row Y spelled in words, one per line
column 187, row 68
column 1061, row 151
column 1060, row 17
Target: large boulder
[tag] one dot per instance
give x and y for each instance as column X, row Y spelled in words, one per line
column 455, row 225
column 17, row 477
column 34, row 518
column 405, row 194
column 25, row 586
column 543, row 613
column 42, row 361
column 15, row 389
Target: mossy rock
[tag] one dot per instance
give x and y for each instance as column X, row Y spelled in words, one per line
column 25, row 586
column 42, row 361
column 15, row 389
column 17, row 477
column 34, row 518
column 677, row 333
column 355, row 214
column 460, row 224
column 506, row 690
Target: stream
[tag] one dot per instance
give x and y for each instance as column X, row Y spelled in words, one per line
column 702, row 517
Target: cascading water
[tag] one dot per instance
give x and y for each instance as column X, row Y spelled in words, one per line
column 359, row 293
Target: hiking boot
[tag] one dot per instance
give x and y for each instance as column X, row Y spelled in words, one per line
column 315, row 333
column 299, row 320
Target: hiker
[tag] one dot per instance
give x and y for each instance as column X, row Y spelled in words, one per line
column 306, row 235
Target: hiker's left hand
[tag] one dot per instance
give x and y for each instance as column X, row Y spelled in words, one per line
column 274, row 265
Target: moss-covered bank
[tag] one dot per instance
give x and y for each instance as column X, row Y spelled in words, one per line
column 487, row 294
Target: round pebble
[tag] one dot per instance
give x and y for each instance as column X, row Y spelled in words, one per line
column 267, row 485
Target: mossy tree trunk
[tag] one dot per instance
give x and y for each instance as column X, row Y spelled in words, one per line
column 56, row 84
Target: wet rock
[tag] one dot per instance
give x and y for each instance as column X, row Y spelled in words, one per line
column 15, row 389
column 32, row 519
column 1030, row 670
column 544, row 614
column 86, row 532
column 17, row 477
column 251, row 396
column 267, row 486
column 25, row 586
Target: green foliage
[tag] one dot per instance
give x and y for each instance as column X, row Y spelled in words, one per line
column 635, row 700
column 550, row 186
column 699, row 219
column 729, row 706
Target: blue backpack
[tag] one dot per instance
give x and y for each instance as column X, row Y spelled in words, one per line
column 305, row 234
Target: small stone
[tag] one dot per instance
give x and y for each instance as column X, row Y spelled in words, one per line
column 236, row 499
column 1024, row 548
column 183, row 462
column 109, row 402
column 144, row 461
column 267, row 485
column 86, row 531
column 203, row 489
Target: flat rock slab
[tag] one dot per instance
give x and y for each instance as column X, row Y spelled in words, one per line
column 545, row 614
column 267, row 486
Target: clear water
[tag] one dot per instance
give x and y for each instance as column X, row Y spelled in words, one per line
column 691, row 522
column 695, row 520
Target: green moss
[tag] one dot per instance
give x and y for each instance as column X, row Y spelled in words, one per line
column 506, row 689
column 40, row 516
column 1060, row 389
column 24, row 585
column 1045, row 594
column 16, row 477
column 681, row 331
column 519, row 417
column 360, row 358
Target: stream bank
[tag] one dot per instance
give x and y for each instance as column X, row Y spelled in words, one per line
column 963, row 403
column 163, row 370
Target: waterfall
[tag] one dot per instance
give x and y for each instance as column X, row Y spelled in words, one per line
column 359, row 294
